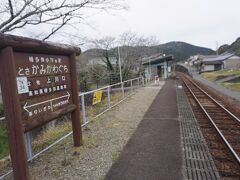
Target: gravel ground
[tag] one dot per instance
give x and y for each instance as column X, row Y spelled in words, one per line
column 104, row 139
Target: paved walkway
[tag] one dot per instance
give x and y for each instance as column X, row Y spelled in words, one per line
column 233, row 94
column 154, row 150
column 229, row 78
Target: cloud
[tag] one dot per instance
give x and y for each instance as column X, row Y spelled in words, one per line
column 200, row 22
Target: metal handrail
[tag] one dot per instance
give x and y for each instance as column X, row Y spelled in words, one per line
column 2, row 118
column 105, row 87
column 89, row 92
column 84, row 123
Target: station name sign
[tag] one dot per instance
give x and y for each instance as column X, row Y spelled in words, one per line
column 44, row 87
column 39, row 84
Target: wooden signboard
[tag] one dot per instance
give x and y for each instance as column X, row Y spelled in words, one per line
column 39, row 84
column 44, row 87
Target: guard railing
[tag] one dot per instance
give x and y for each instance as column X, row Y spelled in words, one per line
column 112, row 95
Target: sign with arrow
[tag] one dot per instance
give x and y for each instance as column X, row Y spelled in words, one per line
column 48, row 82
column 39, row 84
column 47, row 105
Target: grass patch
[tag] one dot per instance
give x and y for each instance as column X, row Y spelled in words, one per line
column 131, row 131
column 212, row 76
column 4, row 149
column 115, row 156
column 51, row 134
column 232, row 86
column 112, row 124
column 1, row 110
column 90, row 141
column 48, row 136
column 94, row 110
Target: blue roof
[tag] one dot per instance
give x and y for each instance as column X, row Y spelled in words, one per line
column 158, row 59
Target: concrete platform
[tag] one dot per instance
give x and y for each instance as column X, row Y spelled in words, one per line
column 154, row 150
column 167, row 145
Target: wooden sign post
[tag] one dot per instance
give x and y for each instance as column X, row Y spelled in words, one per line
column 39, row 84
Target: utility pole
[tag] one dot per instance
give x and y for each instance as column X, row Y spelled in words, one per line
column 119, row 64
column 149, row 68
column 120, row 69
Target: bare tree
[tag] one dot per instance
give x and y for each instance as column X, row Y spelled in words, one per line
column 133, row 39
column 104, row 46
column 18, row 14
column 131, row 49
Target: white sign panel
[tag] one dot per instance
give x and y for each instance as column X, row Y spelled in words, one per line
column 22, row 85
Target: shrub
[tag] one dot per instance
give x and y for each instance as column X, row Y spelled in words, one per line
column 1, row 110
column 4, row 149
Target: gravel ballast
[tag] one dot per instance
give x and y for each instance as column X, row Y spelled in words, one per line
column 104, row 139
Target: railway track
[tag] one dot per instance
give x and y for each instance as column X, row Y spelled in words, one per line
column 220, row 126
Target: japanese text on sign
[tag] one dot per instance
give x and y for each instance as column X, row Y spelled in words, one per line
column 43, row 66
column 44, row 84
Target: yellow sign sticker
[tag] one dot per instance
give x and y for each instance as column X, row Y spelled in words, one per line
column 97, row 97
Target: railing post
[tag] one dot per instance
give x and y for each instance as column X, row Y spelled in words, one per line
column 28, row 145
column 138, row 82
column 109, row 97
column 83, row 110
column 131, row 86
column 122, row 85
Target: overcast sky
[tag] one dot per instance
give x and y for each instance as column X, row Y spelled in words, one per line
column 199, row 22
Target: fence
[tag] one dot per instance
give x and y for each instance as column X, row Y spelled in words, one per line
column 89, row 84
column 40, row 140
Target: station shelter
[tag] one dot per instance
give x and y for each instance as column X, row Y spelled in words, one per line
column 158, row 66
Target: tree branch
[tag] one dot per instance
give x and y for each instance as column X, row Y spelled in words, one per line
column 64, row 22
column 11, row 8
column 21, row 13
column 16, row 15
column 38, row 11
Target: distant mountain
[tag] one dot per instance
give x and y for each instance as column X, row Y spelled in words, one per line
column 180, row 50
column 234, row 47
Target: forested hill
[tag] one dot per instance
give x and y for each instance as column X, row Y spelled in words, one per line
column 180, row 50
column 234, row 47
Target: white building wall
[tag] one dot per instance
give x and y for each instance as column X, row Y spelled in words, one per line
column 208, row 68
column 232, row 63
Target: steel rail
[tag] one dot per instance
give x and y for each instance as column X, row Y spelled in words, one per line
column 215, row 126
column 215, row 101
